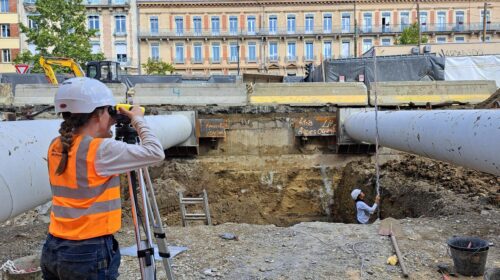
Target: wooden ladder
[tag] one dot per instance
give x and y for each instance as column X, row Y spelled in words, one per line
column 195, row 216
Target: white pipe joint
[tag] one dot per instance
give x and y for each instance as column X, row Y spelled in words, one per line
column 469, row 138
column 24, row 181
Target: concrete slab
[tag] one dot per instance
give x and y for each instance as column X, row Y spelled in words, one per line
column 191, row 94
column 432, row 92
column 43, row 94
column 310, row 94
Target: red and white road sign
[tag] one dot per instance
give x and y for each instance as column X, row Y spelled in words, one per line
column 22, row 68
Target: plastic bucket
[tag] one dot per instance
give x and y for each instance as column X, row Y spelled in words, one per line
column 469, row 255
column 26, row 268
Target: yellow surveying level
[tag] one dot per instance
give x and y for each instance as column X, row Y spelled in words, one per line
column 114, row 112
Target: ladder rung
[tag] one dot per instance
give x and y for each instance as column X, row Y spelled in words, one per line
column 195, row 218
column 195, row 215
column 192, row 202
column 192, row 199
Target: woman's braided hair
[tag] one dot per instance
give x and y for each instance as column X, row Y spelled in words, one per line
column 67, row 131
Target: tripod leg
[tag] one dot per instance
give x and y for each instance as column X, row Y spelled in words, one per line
column 158, row 229
column 145, row 251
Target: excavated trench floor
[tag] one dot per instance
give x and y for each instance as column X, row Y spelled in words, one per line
column 286, row 190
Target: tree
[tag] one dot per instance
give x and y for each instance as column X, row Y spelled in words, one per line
column 410, row 36
column 60, row 31
column 157, row 67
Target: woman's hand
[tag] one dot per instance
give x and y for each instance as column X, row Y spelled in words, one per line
column 377, row 199
column 134, row 111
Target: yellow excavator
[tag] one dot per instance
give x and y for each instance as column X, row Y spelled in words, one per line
column 104, row 71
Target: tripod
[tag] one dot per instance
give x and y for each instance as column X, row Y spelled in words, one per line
column 144, row 211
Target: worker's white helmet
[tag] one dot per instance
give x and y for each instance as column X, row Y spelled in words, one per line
column 355, row 193
column 82, row 95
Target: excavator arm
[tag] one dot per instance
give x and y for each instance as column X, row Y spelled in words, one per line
column 46, row 64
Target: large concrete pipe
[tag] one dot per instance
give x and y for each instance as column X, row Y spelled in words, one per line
column 24, row 181
column 469, row 138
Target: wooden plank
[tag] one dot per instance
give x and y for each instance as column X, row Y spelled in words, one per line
column 314, row 126
column 212, row 128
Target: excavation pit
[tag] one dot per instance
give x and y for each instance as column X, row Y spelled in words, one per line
column 288, row 190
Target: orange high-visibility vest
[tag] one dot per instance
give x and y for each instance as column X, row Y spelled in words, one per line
column 84, row 204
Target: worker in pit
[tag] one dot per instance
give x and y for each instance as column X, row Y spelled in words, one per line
column 83, row 164
column 363, row 211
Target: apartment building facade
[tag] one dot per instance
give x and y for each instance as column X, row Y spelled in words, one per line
column 114, row 21
column 282, row 37
column 9, row 35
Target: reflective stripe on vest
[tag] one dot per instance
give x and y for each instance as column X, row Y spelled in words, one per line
column 84, row 204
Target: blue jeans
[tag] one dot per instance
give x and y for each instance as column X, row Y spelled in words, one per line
column 91, row 259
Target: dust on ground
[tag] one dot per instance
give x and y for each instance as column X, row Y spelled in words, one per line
column 259, row 193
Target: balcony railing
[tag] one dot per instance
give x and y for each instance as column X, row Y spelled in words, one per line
column 197, row 60
column 273, row 59
column 233, row 59
column 319, row 30
column 308, row 58
column 106, row 2
column 251, row 59
column 215, row 60
column 291, row 58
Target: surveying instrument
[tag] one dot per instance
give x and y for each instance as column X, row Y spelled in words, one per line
column 145, row 211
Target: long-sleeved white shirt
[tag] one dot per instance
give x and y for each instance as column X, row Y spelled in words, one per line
column 364, row 211
column 116, row 157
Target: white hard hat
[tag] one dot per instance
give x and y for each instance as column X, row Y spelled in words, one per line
column 355, row 193
column 82, row 95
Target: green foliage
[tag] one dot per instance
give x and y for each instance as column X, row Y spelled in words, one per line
column 157, row 67
column 410, row 36
column 60, row 32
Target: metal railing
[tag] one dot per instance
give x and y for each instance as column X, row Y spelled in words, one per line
column 319, row 30
column 105, row 2
column 273, row 59
column 197, row 60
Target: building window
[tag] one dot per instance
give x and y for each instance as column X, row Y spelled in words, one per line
column 327, row 50
column 327, row 23
column 233, row 25
column 198, row 58
column 405, row 20
column 121, row 52
column 441, row 21
column 96, row 47
column 155, row 51
column 346, row 23
column 460, row 39
column 32, row 48
column 423, row 21
column 367, row 22
column 487, row 38
column 215, row 26
column 5, row 55
column 291, row 54
column 233, row 52
column 290, row 23
column 153, row 25
column 93, row 23
column 309, row 51
column 197, row 26
column 120, row 25
column 216, row 53
column 386, row 41
column 179, row 53
column 179, row 26
column 309, row 24
column 459, row 20
column 488, row 20
column 5, row 29
column 441, row 40
column 367, row 44
column 273, row 24
column 251, row 25
column 273, row 51
column 386, row 21
column 4, row 7
column 346, row 49
column 252, row 52
column 31, row 22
